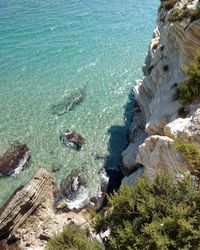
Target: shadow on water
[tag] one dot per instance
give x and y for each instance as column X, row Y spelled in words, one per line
column 119, row 137
column 117, row 143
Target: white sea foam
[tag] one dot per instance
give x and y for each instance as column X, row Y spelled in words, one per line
column 21, row 165
column 84, row 194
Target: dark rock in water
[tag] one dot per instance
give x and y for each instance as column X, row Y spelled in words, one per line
column 72, row 139
column 71, row 186
column 56, row 167
column 113, row 185
column 14, row 160
column 68, row 103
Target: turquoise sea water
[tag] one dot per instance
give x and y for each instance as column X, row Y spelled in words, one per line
column 50, row 48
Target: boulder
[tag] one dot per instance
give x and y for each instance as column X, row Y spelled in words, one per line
column 72, row 139
column 14, row 160
column 158, row 154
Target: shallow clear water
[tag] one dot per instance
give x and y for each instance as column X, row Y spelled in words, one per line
column 50, row 48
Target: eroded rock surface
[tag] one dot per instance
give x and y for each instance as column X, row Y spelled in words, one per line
column 158, row 153
column 23, row 202
column 173, row 46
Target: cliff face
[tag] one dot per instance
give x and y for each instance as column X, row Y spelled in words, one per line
column 156, row 120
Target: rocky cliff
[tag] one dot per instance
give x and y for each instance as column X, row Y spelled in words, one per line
column 156, row 119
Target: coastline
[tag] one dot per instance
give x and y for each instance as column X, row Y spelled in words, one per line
column 155, row 123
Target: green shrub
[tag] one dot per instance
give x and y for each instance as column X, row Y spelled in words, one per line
column 180, row 14
column 168, row 4
column 191, row 154
column 72, row 238
column 155, row 215
column 195, row 14
column 189, row 90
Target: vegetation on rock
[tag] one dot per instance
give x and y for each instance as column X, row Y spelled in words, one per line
column 154, row 214
column 191, row 154
column 73, row 238
column 189, row 90
column 180, row 14
column 168, row 4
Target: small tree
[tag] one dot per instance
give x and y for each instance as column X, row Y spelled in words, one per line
column 168, row 4
column 191, row 154
column 189, row 90
column 73, row 238
column 154, row 214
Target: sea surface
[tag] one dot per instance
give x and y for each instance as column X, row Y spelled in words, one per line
column 48, row 50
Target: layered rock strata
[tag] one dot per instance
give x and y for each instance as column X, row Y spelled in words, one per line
column 23, row 202
column 28, row 215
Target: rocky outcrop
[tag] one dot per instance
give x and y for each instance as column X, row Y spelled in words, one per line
column 173, row 45
column 14, row 160
column 44, row 223
column 158, row 153
column 28, row 216
column 186, row 128
column 24, row 202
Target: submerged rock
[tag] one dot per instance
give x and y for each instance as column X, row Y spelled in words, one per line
column 68, row 103
column 72, row 139
column 56, row 167
column 14, row 160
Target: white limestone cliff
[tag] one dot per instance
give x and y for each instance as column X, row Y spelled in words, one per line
column 156, row 124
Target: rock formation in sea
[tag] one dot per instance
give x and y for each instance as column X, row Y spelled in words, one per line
column 72, row 139
column 14, row 160
column 157, row 121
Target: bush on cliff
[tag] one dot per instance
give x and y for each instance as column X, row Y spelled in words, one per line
column 72, row 238
column 191, row 154
column 154, row 214
column 180, row 14
column 168, row 4
column 189, row 90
